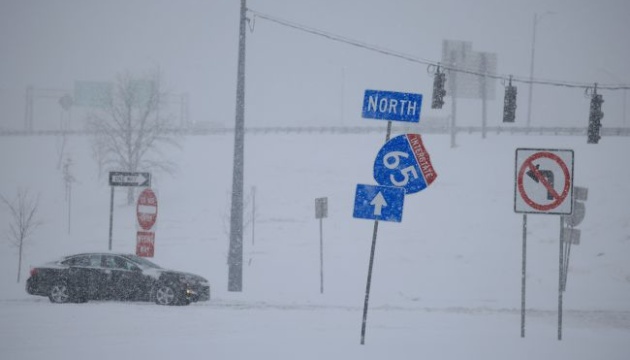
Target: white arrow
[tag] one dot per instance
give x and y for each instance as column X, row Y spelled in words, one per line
column 378, row 202
column 141, row 179
column 135, row 179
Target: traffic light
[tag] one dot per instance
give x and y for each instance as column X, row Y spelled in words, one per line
column 595, row 119
column 509, row 103
column 438, row 89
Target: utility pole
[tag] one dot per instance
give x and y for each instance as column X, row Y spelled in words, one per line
column 531, row 73
column 531, row 65
column 453, row 82
column 235, row 256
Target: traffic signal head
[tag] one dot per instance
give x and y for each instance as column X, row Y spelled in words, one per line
column 438, row 90
column 595, row 119
column 509, row 103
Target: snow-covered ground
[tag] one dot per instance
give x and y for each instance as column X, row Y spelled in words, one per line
column 446, row 281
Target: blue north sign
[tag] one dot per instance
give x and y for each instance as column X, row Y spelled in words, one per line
column 391, row 105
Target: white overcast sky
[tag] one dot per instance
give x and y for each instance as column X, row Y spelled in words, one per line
column 298, row 78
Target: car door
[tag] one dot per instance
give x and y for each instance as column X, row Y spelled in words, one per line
column 85, row 276
column 125, row 280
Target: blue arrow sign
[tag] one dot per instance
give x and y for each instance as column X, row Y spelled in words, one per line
column 403, row 161
column 390, row 105
column 379, row 202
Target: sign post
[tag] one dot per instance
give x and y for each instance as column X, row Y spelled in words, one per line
column 543, row 185
column 321, row 211
column 122, row 178
column 111, row 216
column 523, row 275
column 560, row 278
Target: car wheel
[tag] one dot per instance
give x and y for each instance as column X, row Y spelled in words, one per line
column 165, row 295
column 59, row 293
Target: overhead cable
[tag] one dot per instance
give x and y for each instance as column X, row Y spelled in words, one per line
column 415, row 59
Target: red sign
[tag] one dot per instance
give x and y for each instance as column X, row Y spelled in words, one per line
column 147, row 209
column 422, row 157
column 145, row 243
column 544, row 181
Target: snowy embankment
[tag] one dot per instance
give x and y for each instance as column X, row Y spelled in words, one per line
column 446, row 280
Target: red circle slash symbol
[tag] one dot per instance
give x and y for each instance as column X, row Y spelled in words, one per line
column 557, row 198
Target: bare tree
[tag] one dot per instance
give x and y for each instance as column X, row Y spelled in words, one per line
column 23, row 221
column 130, row 129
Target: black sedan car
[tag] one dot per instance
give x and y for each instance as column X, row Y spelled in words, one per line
column 107, row 276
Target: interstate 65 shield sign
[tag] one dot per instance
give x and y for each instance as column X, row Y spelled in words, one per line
column 404, row 162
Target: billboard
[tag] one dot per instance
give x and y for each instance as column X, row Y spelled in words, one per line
column 92, row 93
column 459, row 54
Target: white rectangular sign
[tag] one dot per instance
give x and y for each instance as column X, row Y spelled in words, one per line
column 543, row 181
column 321, row 208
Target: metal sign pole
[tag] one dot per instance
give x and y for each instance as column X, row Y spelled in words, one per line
column 321, row 257
column 69, row 206
column 523, row 275
column 369, row 282
column 484, row 95
column 321, row 211
column 253, row 214
column 560, row 280
column 111, row 217
column 369, row 278
column 567, row 254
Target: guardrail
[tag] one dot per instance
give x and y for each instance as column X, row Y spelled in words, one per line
column 578, row 131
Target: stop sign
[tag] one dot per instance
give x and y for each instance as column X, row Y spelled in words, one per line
column 147, row 209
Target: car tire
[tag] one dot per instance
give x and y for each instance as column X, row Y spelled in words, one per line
column 165, row 294
column 59, row 293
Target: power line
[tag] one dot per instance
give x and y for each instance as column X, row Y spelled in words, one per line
column 339, row 38
column 415, row 59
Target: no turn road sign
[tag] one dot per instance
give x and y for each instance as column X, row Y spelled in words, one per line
column 543, row 181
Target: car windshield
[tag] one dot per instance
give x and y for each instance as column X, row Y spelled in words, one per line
column 142, row 262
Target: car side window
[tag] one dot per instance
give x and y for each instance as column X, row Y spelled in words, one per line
column 95, row 261
column 77, row 261
column 116, row 262
column 128, row 265
column 109, row 262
